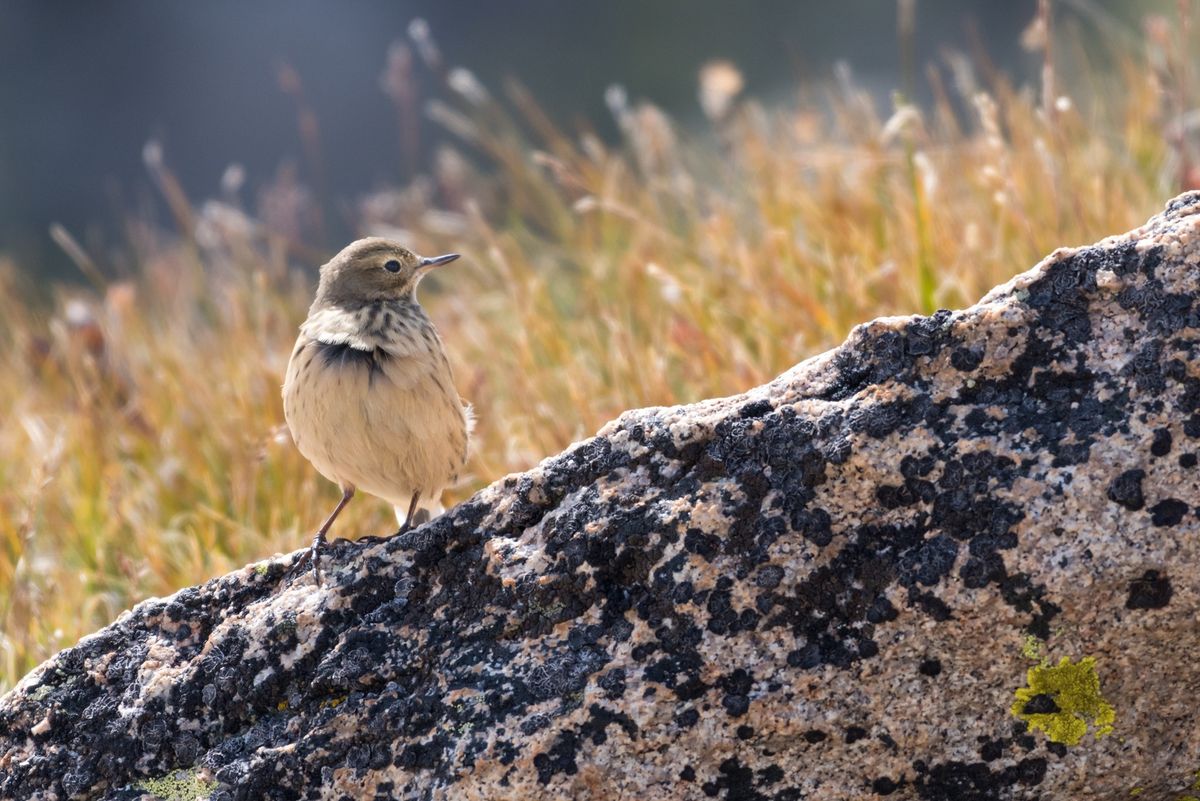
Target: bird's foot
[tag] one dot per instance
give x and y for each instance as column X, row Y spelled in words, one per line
column 310, row 558
column 418, row 518
column 366, row 539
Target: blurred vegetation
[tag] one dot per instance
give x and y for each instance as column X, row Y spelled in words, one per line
column 142, row 431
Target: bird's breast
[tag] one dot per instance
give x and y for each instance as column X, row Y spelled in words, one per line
column 383, row 421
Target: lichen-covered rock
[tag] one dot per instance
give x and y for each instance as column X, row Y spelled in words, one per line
column 955, row 558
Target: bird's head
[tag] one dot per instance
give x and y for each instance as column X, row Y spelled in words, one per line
column 374, row 269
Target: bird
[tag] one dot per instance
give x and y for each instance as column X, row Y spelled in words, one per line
column 369, row 395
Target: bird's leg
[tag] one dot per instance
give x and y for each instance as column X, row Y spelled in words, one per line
column 412, row 510
column 313, row 556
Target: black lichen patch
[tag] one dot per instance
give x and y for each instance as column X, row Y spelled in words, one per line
column 975, row 781
column 734, row 781
column 759, row 408
column 1040, row 704
column 1168, row 512
column 1161, row 444
column 930, row 667
column 884, row 785
column 1126, row 490
column 854, row 734
column 559, row 759
column 1019, row 593
column 991, row 750
column 1151, row 591
column 1162, row 312
column 737, row 686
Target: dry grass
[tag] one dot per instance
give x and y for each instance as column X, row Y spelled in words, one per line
column 143, row 437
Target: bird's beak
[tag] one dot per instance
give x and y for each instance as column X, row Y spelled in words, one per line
column 437, row 261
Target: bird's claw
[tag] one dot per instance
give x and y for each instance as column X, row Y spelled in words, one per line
column 310, row 559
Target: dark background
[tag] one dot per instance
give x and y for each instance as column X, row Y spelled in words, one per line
column 83, row 86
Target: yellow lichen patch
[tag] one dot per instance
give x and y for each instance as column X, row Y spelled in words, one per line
column 1062, row 699
column 1031, row 648
column 179, row 785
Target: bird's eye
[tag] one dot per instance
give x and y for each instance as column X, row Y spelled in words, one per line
column 392, row 266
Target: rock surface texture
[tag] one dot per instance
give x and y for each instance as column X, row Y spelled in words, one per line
column 954, row 558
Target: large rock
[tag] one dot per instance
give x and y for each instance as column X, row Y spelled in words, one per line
column 955, row 558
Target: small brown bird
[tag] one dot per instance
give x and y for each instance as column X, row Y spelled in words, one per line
column 369, row 395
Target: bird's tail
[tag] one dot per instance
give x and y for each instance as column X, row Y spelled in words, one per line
column 468, row 416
